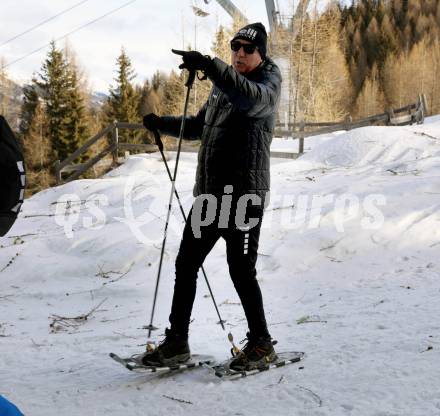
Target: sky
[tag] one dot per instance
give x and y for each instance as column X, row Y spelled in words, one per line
column 147, row 29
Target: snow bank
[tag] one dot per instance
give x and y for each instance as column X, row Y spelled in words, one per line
column 372, row 291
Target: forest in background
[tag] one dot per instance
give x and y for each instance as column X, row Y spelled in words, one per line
column 354, row 60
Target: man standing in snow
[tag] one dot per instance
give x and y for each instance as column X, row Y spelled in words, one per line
column 235, row 126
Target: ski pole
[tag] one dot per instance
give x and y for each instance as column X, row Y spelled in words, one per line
column 188, row 84
column 160, row 146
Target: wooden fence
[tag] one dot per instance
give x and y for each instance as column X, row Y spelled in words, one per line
column 413, row 113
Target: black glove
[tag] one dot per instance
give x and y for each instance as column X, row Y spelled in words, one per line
column 152, row 122
column 193, row 60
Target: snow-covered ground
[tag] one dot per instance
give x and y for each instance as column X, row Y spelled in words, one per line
column 360, row 275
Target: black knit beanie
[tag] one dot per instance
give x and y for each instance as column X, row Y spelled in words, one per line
column 256, row 34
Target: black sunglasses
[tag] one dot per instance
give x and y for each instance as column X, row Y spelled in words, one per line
column 248, row 48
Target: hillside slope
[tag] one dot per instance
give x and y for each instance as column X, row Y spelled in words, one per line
column 365, row 272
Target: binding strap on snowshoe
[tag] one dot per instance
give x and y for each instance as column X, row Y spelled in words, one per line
column 151, row 346
column 234, row 350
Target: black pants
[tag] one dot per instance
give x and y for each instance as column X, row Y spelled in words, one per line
column 241, row 250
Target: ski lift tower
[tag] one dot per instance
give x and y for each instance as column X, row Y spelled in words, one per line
column 284, row 29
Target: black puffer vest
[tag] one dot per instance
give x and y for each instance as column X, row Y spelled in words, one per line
column 235, row 127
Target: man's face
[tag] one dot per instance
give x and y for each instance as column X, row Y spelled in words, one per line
column 244, row 62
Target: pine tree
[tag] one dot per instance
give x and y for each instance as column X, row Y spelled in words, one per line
column 372, row 37
column 384, row 33
column 409, row 74
column 437, row 13
column 149, row 102
column 152, row 95
column 381, row 11
column 28, row 107
column 173, row 94
column 143, row 93
column 220, row 47
column 54, row 83
column 123, row 102
column 388, row 43
column 434, row 101
column 359, row 64
column 322, row 79
column 158, row 80
column 371, row 99
column 63, row 100
column 38, row 152
column 63, row 103
column 76, row 122
column 86, row 115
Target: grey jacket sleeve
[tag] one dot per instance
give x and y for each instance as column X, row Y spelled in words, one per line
column 193, row 125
